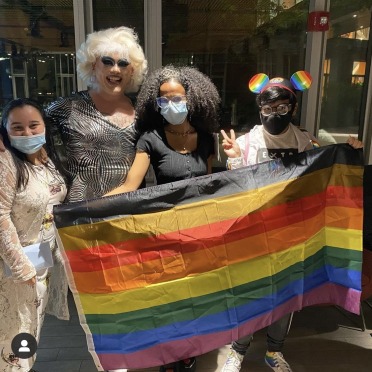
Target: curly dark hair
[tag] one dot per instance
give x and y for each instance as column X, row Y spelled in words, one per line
column 203, row 99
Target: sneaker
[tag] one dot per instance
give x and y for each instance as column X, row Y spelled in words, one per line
column 276, row 362
column 187, row 365
column 233, row 362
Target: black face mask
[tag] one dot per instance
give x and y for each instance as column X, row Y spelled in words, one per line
column 276, row 124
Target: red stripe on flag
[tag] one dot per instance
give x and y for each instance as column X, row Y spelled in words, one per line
column 118, row 254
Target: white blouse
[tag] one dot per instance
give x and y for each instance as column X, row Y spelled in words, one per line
column 26, row 218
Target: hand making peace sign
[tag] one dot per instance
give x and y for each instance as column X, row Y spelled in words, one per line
column 229, row 144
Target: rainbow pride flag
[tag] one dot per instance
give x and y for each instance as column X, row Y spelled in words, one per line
column 177, row 270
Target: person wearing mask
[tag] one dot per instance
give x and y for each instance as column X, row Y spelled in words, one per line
column 177, row 112
column 91, row 135
column 30, row 186
column 276, row 137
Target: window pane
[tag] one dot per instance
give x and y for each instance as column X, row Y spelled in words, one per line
column 35, row 35
column 115, row 13
column 20, row 85
column 233, row 40
column 344, row 71
column 18, row 65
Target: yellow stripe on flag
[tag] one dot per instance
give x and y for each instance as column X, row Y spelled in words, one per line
column 217, row 280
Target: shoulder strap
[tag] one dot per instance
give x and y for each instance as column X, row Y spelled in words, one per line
column 246, row 149
column 313, row 140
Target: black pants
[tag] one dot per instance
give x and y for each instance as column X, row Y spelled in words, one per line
column 276, row 334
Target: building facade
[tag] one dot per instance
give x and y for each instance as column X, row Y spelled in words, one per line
column 229, row 40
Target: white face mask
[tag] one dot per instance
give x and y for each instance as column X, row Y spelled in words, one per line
column 28, row 144
column 175, row 113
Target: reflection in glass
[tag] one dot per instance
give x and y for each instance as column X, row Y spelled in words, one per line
column 116, row 13
column 231, row 41
column 34, row 38
column 18, row 65
column 20, row 86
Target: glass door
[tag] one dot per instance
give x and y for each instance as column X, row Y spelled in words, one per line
column 345, row 71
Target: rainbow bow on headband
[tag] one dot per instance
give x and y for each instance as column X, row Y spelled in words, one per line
column 300, row 80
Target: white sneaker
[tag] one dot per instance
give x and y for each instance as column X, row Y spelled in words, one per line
column 276, row 362
column 233, row 362
column 117, row 370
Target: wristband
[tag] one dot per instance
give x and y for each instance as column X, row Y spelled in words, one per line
column 234, row 163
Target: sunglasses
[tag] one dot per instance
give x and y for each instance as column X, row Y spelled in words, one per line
column 110, row 62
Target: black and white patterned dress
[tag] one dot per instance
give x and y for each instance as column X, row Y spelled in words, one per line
column 96, row 153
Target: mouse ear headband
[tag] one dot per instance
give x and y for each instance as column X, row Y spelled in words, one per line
column 300, row 80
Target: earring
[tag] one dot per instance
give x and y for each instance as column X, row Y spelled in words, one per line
column 93, row 79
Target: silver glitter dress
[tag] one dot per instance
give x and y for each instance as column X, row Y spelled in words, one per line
column 96, row 154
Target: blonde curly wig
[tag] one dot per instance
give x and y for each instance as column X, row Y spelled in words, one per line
column 121, row 40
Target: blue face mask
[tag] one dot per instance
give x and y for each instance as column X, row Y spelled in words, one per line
column 174, row 113
column 28, row 144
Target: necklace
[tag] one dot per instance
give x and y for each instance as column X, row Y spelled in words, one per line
column 119, row 118
column 182, row 134
column 184, row 144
